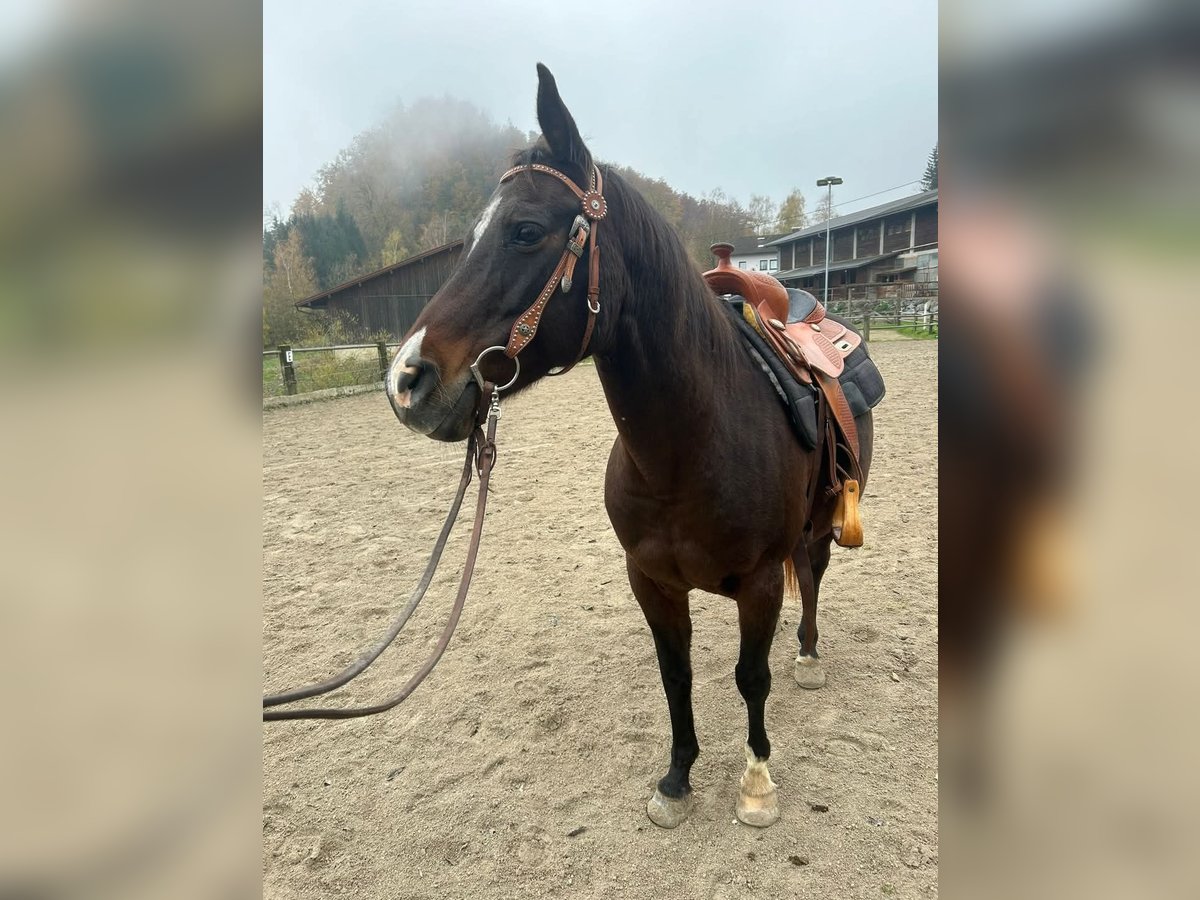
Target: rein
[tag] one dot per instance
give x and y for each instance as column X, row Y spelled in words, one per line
column 481, row 457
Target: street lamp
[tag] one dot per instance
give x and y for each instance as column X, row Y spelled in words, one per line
column 829, row 181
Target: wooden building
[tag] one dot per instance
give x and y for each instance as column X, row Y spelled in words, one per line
column 391, row 298
column 892, row 242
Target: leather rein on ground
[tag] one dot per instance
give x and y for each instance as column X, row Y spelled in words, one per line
column 481, row 456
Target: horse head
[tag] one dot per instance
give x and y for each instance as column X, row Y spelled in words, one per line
column 511, row 256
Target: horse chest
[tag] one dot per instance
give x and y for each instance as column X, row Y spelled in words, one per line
column 692, row 520
column 693, row 542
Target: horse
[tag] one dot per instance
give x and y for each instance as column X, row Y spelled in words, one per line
column 706, row 485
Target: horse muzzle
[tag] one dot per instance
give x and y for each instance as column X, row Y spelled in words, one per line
column 424, row 402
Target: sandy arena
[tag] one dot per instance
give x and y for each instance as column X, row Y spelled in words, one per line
column 522, row 766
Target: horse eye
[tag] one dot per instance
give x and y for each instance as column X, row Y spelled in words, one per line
column 528, row 233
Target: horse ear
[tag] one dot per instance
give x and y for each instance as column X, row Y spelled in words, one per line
column 558, row 128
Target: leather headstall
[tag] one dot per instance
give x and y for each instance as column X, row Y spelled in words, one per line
column 583, row 232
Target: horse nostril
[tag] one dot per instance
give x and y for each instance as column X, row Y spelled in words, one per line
column 410, row 376
column 414, row 381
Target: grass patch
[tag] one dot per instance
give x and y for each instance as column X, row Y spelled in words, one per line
column 272, row 377
column 920, row 332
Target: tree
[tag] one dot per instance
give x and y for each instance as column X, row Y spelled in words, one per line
column 435, row 232
column 332, row 242
column 666, row 201
column 825, row 210
column 394, row 249
column 306, row 203
column 762, row 213
column 294, row 268
column 716, row 217
column 930, row 178
column 288, row 279
column 274, row 235
column 792, row 215
column 417, row 180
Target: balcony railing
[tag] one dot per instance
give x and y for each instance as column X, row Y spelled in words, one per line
column 884, row 295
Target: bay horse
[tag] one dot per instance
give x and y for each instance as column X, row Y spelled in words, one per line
column 707, row 487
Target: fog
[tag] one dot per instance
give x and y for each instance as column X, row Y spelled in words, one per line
column 701, row 94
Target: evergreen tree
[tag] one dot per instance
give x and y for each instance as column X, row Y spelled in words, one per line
column 930, row 178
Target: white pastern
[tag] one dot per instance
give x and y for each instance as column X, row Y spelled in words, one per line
column 756, row 780
column 485, row 219
column 410, row 350
column 758, row 802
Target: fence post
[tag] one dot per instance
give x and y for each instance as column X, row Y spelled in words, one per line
column 285, row 365
column 866, row 330
column 381, row 346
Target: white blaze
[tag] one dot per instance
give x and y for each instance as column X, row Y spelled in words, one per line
column 485, row 219
column 410, row 350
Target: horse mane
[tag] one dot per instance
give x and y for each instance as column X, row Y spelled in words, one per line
column 668, row 295
column 663, row 287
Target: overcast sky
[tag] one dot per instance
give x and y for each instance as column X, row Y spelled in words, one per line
column 751, row 98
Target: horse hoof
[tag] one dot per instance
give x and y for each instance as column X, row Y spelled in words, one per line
column 758, row 801
column 667, row 812
column 810, row 674
column 761, row 812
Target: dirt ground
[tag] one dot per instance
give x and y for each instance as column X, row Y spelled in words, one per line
column 522, row 766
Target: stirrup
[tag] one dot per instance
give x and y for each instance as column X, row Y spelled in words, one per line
column 847, row 526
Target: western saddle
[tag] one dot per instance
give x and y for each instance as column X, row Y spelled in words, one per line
column 814, row 349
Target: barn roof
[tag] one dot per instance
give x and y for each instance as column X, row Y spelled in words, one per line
column 320, row 299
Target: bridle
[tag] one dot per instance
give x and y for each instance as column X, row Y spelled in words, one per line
column 481, row 457
column 584, row 229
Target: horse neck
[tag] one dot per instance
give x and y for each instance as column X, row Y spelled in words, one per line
column 670, row 351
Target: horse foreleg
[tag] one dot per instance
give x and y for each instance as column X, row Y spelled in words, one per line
column 759, row 602
column 810, row 561
column 666, row 612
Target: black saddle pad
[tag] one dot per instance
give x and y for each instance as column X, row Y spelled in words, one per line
column 860, row 379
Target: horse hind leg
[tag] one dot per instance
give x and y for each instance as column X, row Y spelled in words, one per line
column 670, row 623
column 759, row 603
column 810, row 563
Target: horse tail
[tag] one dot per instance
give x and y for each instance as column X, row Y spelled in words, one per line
column 791, row 583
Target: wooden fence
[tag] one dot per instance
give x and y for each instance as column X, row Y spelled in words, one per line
column 916, row 322
column 299, row 370
column 896, row 306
